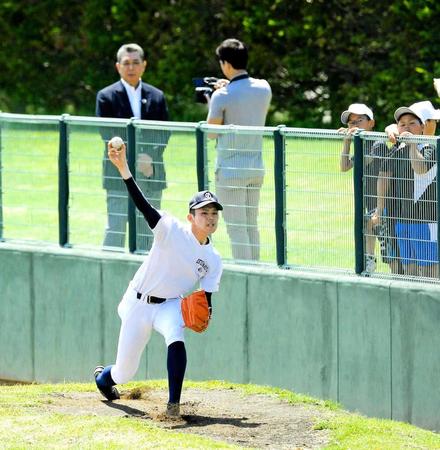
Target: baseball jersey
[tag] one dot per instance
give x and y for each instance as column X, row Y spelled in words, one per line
column 244, row 101
column 177, row 262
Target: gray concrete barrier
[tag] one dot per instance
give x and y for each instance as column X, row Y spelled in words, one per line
column 372, row 345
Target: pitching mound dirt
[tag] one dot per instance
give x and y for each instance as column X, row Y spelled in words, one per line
column 257, row 421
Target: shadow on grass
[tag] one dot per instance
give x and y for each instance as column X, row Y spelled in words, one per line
column 204, row 421
column 127, row 409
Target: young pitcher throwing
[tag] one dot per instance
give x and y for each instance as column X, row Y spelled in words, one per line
column 181, row 257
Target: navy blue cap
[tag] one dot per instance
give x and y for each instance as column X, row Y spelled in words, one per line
column 204, row 198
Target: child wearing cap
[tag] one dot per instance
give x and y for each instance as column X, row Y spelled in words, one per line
column 360, row 117
column 410, row 175
column 424, row 108
column 181, row 258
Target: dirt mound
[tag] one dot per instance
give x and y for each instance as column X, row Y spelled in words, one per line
column 257, row 421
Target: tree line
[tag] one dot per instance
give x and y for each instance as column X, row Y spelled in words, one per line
column 318, row 55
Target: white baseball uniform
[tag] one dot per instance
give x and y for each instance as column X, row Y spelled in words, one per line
column 176, row 263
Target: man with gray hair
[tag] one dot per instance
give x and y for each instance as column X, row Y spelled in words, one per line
column 131, row 97
column 239, row 100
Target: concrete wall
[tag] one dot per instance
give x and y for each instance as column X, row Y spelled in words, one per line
column 372, row 345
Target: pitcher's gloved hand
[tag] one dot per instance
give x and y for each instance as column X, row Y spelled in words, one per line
column 195, row 311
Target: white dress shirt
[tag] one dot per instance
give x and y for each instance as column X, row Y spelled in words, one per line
column 134, row 96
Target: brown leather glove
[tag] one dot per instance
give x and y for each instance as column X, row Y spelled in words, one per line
column 195, row 311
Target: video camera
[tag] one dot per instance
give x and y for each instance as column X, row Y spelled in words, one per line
column 204, row 86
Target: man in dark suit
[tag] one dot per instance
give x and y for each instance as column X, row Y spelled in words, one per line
column 127, row 98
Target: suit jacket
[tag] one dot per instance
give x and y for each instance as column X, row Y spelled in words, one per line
column 112, row 101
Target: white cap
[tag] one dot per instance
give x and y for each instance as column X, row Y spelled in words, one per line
column 420, row 112
column 428, row 110
column 356, row 108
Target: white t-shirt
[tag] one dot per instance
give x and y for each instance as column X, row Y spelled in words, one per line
column 177, row 262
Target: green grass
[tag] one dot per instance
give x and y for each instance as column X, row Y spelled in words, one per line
column 319, row 198
column 356, row 432
column 26, row 422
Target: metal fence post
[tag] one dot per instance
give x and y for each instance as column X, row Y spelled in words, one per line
column 280, row 195
column 202, row 178
column 358, row 175
column 131, row 159
column 63, row 184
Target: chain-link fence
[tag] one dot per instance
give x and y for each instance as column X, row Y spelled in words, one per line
column 289, row 196
column 28, row 178
column 240, row 169
column 319, row 201
column 400, row 204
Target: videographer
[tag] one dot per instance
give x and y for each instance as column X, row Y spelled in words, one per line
column 239, row 100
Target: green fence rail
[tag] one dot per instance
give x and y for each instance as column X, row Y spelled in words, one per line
column 310, row 215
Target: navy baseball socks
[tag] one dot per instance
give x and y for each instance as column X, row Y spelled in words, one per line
column 105, row 383
column 176, row 365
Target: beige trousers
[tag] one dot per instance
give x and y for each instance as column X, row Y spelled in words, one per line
column 240, row 198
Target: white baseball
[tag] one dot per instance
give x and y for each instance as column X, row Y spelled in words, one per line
column 116, row 142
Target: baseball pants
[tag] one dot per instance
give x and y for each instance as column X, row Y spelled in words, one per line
column 138, row 320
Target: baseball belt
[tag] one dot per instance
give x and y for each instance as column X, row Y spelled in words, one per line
column 151, row 298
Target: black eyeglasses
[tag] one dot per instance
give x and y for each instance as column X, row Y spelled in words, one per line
column 355, row 123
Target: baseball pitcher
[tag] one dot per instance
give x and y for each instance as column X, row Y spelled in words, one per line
column 182, row 257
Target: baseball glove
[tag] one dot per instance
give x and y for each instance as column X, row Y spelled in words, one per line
column 195, row 311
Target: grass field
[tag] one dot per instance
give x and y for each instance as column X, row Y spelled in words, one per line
column 73, row 416
column 319, row 198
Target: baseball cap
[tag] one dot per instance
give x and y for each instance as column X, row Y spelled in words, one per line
column 415, row 110
column 356, row 108
column 204, row 198
column 427, row 109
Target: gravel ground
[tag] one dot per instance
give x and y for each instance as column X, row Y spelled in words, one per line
column 252, row 421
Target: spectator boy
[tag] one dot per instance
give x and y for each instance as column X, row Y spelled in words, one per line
column 411, row 172
column 359, row 116
column 427, row 110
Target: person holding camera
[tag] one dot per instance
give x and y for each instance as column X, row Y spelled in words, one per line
column 240, row 100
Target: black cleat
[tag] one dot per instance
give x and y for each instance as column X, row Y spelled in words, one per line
column 110, row 393
column 173, row 411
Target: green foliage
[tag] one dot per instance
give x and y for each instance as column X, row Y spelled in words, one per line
column 318, row 55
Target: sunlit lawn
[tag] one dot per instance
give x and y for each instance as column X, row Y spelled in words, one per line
column 28, row 421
